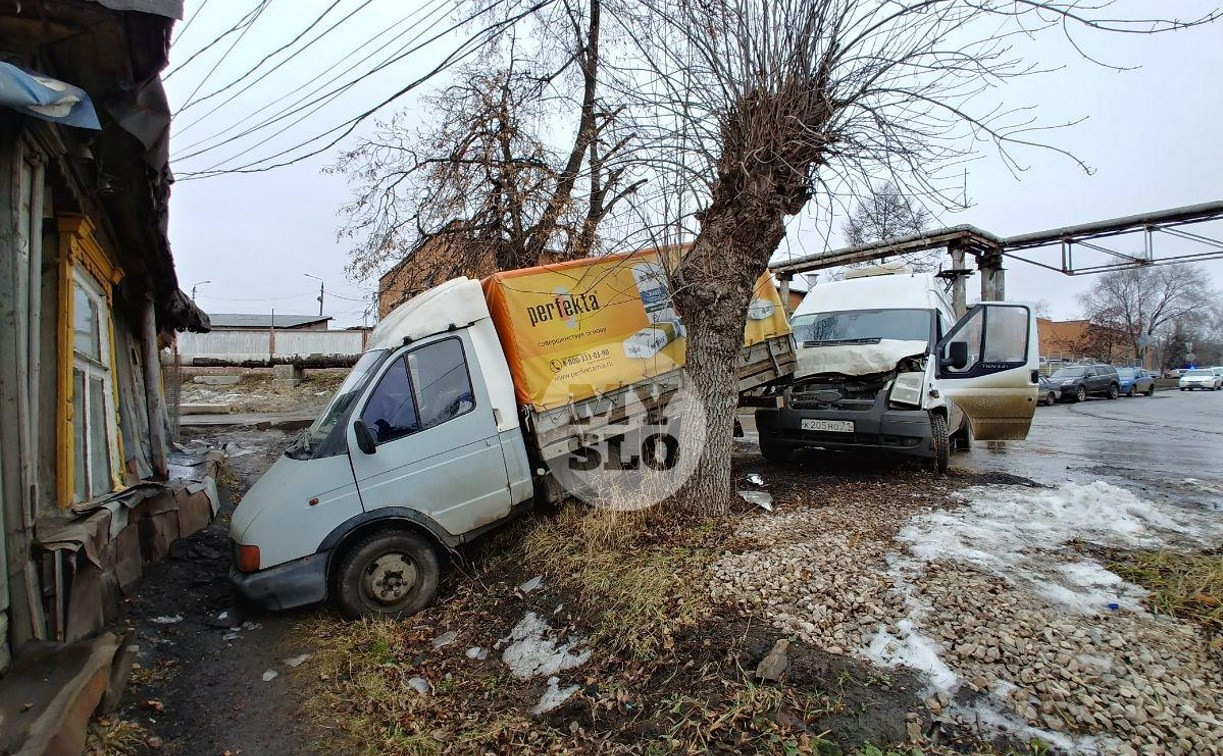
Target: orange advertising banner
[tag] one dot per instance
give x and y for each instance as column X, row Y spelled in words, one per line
column 575, row 329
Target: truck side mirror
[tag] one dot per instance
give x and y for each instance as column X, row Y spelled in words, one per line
column 957, row 355
column 365, row 439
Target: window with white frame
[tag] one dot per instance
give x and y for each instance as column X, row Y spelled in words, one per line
column 93, row 414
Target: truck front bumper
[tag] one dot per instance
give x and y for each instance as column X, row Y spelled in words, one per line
column 895, row 431
column 285, row 586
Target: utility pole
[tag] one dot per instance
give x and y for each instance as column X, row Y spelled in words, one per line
column 321, row 291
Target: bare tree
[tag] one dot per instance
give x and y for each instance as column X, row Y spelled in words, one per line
column 761, row 104
column 887, row 213
column 481, row 173
column 1140, row 302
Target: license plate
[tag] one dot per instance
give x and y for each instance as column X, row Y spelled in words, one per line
column 833, row 426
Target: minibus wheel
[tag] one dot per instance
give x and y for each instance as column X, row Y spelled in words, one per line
column 390, row 573
column 940, row 444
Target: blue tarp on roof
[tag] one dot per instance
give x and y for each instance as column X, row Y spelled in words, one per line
column 46, row 98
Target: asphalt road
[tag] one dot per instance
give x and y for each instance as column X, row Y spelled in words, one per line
column 1167, row 446
column 1170, row 444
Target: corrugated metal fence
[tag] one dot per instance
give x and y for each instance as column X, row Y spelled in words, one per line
column 279, row 347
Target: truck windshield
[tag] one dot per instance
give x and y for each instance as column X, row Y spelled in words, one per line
column 315, row 438
column 862, row 326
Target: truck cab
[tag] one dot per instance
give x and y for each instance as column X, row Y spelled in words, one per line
column 419, row 450
column 885, row 367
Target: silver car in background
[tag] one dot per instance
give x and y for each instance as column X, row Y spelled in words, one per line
column 1201, row 378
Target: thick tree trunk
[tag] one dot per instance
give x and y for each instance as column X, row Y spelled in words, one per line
column 713, row 288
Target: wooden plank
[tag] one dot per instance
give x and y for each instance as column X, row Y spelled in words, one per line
column 154, row 394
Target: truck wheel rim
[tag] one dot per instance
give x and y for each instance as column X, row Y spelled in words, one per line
column 389, row 580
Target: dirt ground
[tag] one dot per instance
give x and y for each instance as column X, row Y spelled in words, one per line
column 199, row 687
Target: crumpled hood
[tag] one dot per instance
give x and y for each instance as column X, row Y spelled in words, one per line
column 856, row 359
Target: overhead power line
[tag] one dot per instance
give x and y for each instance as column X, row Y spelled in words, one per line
column 183, row 30
column 242, row 24
column 327, row 95
column 300, row 87
column 469, row 47
column 258, row 12
column 274, row 53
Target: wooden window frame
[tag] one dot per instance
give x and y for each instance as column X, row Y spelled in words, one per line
column 82, row 261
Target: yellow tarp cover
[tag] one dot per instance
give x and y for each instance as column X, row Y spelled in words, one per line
column 578, row 328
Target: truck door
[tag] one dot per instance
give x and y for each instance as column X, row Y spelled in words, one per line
column 988, row 368
column 426, row 439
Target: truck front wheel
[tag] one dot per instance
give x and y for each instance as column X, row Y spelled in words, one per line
column 940, row 444
column 391, row 573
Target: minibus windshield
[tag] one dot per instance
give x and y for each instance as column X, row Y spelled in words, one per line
column 861, row 326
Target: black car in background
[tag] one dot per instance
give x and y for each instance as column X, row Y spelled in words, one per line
column 1077, row 382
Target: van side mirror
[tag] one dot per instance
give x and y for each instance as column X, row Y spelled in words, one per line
column 365, row 439
column 957, row 355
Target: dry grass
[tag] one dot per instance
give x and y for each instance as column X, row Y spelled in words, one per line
column 365, row 705
column 629, row 575
column 634, row 573
column 746, row 718
column 1183, row 585
column 113, row 736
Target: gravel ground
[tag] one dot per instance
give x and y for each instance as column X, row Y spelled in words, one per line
column 1028, row 635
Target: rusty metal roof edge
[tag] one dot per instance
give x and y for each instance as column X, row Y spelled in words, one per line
column 168, row 8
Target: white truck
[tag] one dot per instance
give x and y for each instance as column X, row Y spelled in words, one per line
column 884, row 367
column 449, row 424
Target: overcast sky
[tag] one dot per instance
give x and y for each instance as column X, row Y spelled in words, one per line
column 1151, row 136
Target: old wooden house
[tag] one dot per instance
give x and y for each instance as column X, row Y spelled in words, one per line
column 90, row 495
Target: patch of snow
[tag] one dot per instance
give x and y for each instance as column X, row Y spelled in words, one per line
column 1201, row 485
column 531, row 652
column 445, row 639
column 233, row 451
column 296, row 661
column 476, row 653
column 554, row 696
column 251, row 625
column 762, row 499
column 420, row 685
column 992, row 718
column 911, row 649
column 1087, row 587
column 168, row 619
column 1014, row 532
column 532, row 584
column 1003, row 688
column 756, row 479
column 1022, row 535
column 270, row 675
column 231, row 635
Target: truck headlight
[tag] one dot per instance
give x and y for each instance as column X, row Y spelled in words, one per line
column 907, row 388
